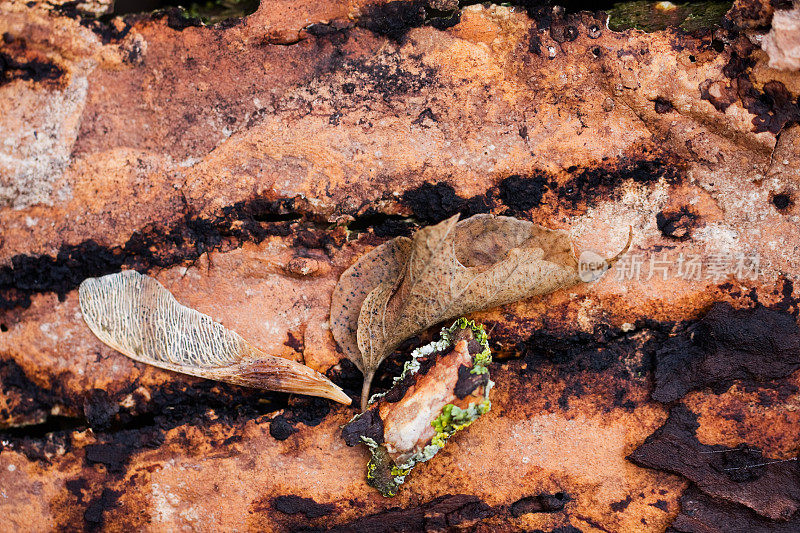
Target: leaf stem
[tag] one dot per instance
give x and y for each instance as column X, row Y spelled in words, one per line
column 365, row 388
column 610, row 262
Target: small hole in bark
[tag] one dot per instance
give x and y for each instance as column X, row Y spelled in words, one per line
column 3, row 328
column 782, row 201
column 692, row 59
column 662, row 105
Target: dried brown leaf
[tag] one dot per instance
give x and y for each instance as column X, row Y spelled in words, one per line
column 382, row 263
column 136, row 315
column 451, row 269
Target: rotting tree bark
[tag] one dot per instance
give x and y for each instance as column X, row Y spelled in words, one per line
column 247, row 165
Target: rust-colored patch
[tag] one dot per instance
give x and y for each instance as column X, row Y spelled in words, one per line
column 221, row 159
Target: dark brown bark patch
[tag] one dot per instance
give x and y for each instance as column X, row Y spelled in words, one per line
column 728, row 344
column 740, row 475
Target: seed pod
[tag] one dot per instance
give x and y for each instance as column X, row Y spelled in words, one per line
column 443, row 389
column 136, row 315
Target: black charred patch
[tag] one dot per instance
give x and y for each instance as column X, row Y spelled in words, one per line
column 661, row 504
column 677, row 224
column 440, row 514
column 385, row 75
column 561, row 32
column 294, row 343
column 534, row 47
column 115, row 450
column 721, row 96
column 308, row 410
column 99, row 409
column 541, row 503
column 426, row 114
column 154, row 247
column 122, row 431
column 382, row 225
column 602, row 349
column 751, row 14
column 27, row 400
column 788, row 304
column 773, row 491
column 305, row 410
column 28, row 275
column 95, row 510
column 468, row 382
column 433, row 203
column 574, row 389
column 45, row 441
column 102, row 27
column 443, row 21
column 280, row 428
column 198, row 402
column 481, row 203
column 773, row 106
column 754, row 345
column 522, row 193
column 177, row 18
column 701, row 513
column 393, row 19
column 347, row 376
column 592, row 183
column 34, row 70
column 621, row 505
column 369, row 425
column 292, row 505
column 76, row 487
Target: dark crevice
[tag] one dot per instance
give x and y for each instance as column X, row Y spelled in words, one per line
column 153, row 247
column 277, row 217
column 121, row 430
column 382, row 225
column 51, row 424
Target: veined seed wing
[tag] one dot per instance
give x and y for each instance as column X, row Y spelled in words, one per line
column 136, row 315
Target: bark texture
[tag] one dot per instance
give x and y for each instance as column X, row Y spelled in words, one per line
column 248, row 164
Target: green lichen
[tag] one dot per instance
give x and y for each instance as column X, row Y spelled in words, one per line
column 453, row 419
column 397, row 471
column 214, row 11
column 386, row 476
column 379, row 472
column 652, row 16
column 481, row 361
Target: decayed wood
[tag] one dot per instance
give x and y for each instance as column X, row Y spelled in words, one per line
column 246, row 166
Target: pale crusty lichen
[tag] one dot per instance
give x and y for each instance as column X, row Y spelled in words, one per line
column 382, row 472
